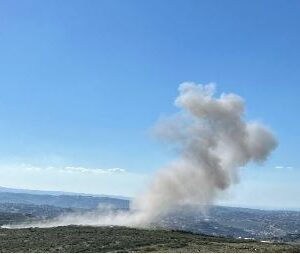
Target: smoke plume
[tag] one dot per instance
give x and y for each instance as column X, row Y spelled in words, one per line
column 212, row 139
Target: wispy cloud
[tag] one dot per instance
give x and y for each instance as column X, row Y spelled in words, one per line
column 284, row 167
column 74, row 169
column 73, row 178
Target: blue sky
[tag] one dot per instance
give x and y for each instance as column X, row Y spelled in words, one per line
column 83, row 82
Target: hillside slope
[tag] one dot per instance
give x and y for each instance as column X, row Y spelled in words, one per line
column 122, row 239
column 64, row 201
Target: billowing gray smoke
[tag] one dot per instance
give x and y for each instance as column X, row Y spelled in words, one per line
column 213, row 141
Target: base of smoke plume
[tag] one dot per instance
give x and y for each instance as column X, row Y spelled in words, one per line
column 92, row 218
column 105, row 217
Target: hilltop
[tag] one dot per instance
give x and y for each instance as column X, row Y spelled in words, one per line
column 122, row 239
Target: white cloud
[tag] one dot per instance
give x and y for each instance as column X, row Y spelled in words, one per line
column 70, row 178
column 284, row 167
column 72, row 169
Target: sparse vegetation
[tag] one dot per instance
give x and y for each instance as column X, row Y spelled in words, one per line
column 122, row 239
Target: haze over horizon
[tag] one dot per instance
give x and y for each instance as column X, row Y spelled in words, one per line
column 83, row 84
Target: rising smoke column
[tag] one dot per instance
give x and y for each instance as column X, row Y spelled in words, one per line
column 213, row 140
